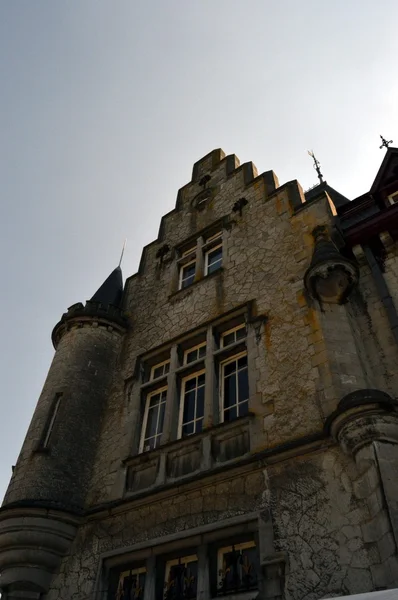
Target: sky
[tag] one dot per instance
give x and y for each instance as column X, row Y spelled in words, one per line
column 104, row 107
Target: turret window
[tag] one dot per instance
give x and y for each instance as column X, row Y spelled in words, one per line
column 45, row 443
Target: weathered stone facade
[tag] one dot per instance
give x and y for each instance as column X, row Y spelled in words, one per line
column 300, row 475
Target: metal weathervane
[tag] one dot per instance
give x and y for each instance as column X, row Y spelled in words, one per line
column 317, row 165
column 384, row 143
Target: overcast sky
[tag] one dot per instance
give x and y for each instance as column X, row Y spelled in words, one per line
column 106, row 104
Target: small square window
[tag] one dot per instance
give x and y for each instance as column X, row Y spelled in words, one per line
column 181, row 578
column 187, row 274
column 237, row 568
column 233, row 335
column 160, row 370
column 195, row 353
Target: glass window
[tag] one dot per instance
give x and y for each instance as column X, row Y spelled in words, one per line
column 187, row 274
column 153, row 419
column 195, row 353
column 192, row 404
column 213, row 259
column 160, row 369
column 237, row 568
column 233, row 335
column 234, row 388
column 181, row 578
column 131, row 585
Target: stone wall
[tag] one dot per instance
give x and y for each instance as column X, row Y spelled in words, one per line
column 323, row 509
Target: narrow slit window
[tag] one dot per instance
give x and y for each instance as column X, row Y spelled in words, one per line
column 50, row 424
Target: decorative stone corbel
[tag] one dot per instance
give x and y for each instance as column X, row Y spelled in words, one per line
column 330, row 276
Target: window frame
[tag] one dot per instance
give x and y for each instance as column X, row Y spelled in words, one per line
column 181, row 270
column 207, row 253
column 180, row 560
column 232, row 330
column 221, row 551
column 191, row 349
column 181, row 407
column 223, row 364
column 136, row 571
column 148, row 397
column 163, row 363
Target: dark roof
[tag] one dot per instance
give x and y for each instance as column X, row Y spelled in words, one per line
column 337, row 198
column 111, row 290
column 383, row 172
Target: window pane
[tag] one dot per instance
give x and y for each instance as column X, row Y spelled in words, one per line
column 229, row 391
column 188, row 429
column 214, row 260
column 152, row 421
column 199, row 426
column 239, row 567
column 157, row 372
column 230, row 414
column 240, row 333
column 200, row 402
column 243, row 385
column 188, row 274
column 131, row 586
column 243, row 408
column 190, row 384
column 161, row 417
column 242, row 362
column 201, row 379
column 191, row 356
column 202, row 351
column 166, row 368
column 228, row 339
column 189, row 406
column 230, row 368
column 181, row 581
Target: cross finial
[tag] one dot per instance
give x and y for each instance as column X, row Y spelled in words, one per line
column 384, row 143
column 317, row 165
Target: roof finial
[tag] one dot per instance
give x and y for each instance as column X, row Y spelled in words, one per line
column 123, row 249
column 317, row 165
column 384, row 143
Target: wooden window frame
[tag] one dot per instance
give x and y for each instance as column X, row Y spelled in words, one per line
column 149, row 395
column 223, row 364
column 181, row 409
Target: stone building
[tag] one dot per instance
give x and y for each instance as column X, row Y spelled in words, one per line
column 225, row 423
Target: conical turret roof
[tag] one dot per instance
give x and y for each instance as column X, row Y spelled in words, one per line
column 111, row 290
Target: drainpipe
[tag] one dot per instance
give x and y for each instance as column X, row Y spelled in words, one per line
column 384, row 292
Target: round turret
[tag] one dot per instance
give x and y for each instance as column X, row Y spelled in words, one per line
column 47, row 491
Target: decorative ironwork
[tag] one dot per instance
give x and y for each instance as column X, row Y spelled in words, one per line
column 131, row 587
column 182, row 582
column 238, row 572
column 384, row 143
column 317, row 165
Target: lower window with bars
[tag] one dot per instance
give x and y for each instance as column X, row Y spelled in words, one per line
column 229, row 569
